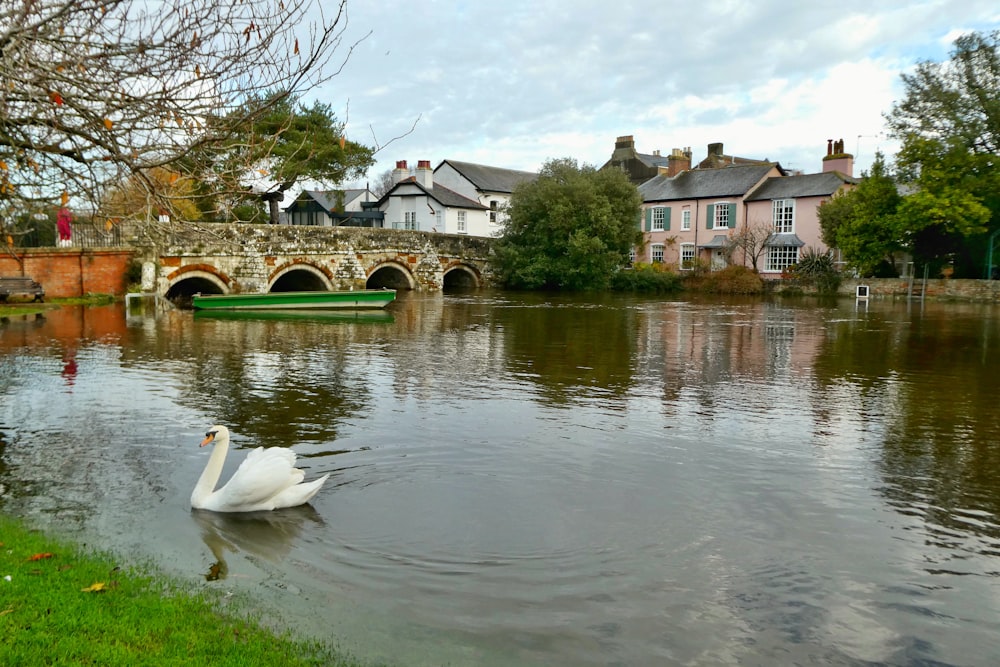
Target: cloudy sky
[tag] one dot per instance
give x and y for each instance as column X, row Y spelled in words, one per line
column 515, row 83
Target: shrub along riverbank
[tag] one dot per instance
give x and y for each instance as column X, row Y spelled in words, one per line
column 60, row 605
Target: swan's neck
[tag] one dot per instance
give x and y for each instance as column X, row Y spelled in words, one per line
column 213, row 470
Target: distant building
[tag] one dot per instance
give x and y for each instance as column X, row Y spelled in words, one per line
column 334, row 208
column 455, row 198
column 691, row 217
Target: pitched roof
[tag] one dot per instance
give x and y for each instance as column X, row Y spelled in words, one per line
column 704, row 183
column 328, row 198
column 490, row 179
column 653, row 160
column 439, row 193
column 806, row 185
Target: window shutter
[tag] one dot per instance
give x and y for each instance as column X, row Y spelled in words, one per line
column 732, row 215
column 649, row 219
column 710, row 216
column 666, row 218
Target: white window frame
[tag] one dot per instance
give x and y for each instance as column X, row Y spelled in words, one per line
column 409, row 220
column 656, row 253
column 463, row 227
column 783, row 215
column 686, row 220
column 780, row 257
column 687, row 256
column 657, row 219
column 721, row 220
column 631, row 255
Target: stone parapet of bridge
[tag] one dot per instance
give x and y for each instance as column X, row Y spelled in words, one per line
column 231, row 258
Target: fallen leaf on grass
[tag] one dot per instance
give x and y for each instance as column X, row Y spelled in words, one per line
column 97, row 587
column 6, row 611
column 41, row 556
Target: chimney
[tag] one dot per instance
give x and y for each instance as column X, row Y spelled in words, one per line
column 715, row 149
column 627, row 141
column 678, row 161
column 624, row 149
column 836, row 159
column 425, row 175
column 401, row 171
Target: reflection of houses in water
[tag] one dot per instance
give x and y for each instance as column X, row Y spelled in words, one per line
column 684, row 344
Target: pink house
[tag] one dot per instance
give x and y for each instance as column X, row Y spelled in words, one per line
column 691, row 217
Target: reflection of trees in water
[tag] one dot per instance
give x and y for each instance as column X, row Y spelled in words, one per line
column 570, row 349
column 928, row 385
column 277, row 382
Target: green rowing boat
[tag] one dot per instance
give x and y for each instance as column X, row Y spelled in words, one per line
column 352, row 300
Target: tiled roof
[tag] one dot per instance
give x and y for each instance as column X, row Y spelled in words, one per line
column 490, row 179
column 328, row 198
column 653, row 160
column 704, row 183
column 807, row 185
column 439, row 193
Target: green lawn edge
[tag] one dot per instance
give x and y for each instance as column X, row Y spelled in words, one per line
column 63, row 605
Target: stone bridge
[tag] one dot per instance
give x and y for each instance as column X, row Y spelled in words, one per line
column 231, row 258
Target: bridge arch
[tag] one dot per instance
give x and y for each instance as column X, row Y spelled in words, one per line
column 391, row 274
column 299, row 277
column 462, row 276
column 187, row 281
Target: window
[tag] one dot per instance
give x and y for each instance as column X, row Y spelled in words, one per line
column 409, row 220
column 722, row 215
column 656, row 252
column 631, row 256
column 686, row 219
column 461, row 223
column 687, row 255
column 780, row 258
column 439, row 220
column 494, row 207
column 784, row 216
column 658, row 219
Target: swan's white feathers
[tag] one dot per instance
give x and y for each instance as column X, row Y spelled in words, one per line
column 267, row 479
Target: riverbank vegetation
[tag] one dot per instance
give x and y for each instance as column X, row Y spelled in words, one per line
column 571, row 228
column 60, row 605
column 940, row 205
column 27, row 307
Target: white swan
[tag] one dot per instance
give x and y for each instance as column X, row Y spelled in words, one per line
column 266, row 480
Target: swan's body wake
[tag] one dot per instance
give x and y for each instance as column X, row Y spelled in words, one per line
column 266, row 480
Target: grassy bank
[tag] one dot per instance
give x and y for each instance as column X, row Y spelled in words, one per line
column 27, row 307
column 60, row 605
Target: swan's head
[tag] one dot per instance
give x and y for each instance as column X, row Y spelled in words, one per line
column 215, row 433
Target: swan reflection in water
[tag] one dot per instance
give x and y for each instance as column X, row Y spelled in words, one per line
column 268, row 535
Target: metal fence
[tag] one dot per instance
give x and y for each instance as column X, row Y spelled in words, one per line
column 84, row 235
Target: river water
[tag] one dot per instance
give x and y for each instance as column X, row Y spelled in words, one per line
column 545, row 480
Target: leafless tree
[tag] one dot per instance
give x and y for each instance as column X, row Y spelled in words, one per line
column 382, row 183
column 752, row 239
column 97, row 92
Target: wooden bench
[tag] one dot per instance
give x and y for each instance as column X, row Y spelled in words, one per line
column 20, row 285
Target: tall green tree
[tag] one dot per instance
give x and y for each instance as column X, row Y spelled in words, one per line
column 864, row 222
column 948, row 123
column 572, row 228
column 285, row 144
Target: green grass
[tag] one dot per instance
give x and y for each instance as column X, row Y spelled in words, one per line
column 22, row 306
column 50, row 615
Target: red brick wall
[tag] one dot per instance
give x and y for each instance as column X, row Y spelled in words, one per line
column 68, row 272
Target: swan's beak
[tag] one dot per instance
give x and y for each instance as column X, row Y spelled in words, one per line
column 209, row 437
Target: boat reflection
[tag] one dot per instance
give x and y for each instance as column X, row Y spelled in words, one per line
column 360, row 316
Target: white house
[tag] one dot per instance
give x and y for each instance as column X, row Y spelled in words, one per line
column 490, row 186
column 417, row 202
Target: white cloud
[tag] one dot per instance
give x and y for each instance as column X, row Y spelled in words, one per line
column 514, row 83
